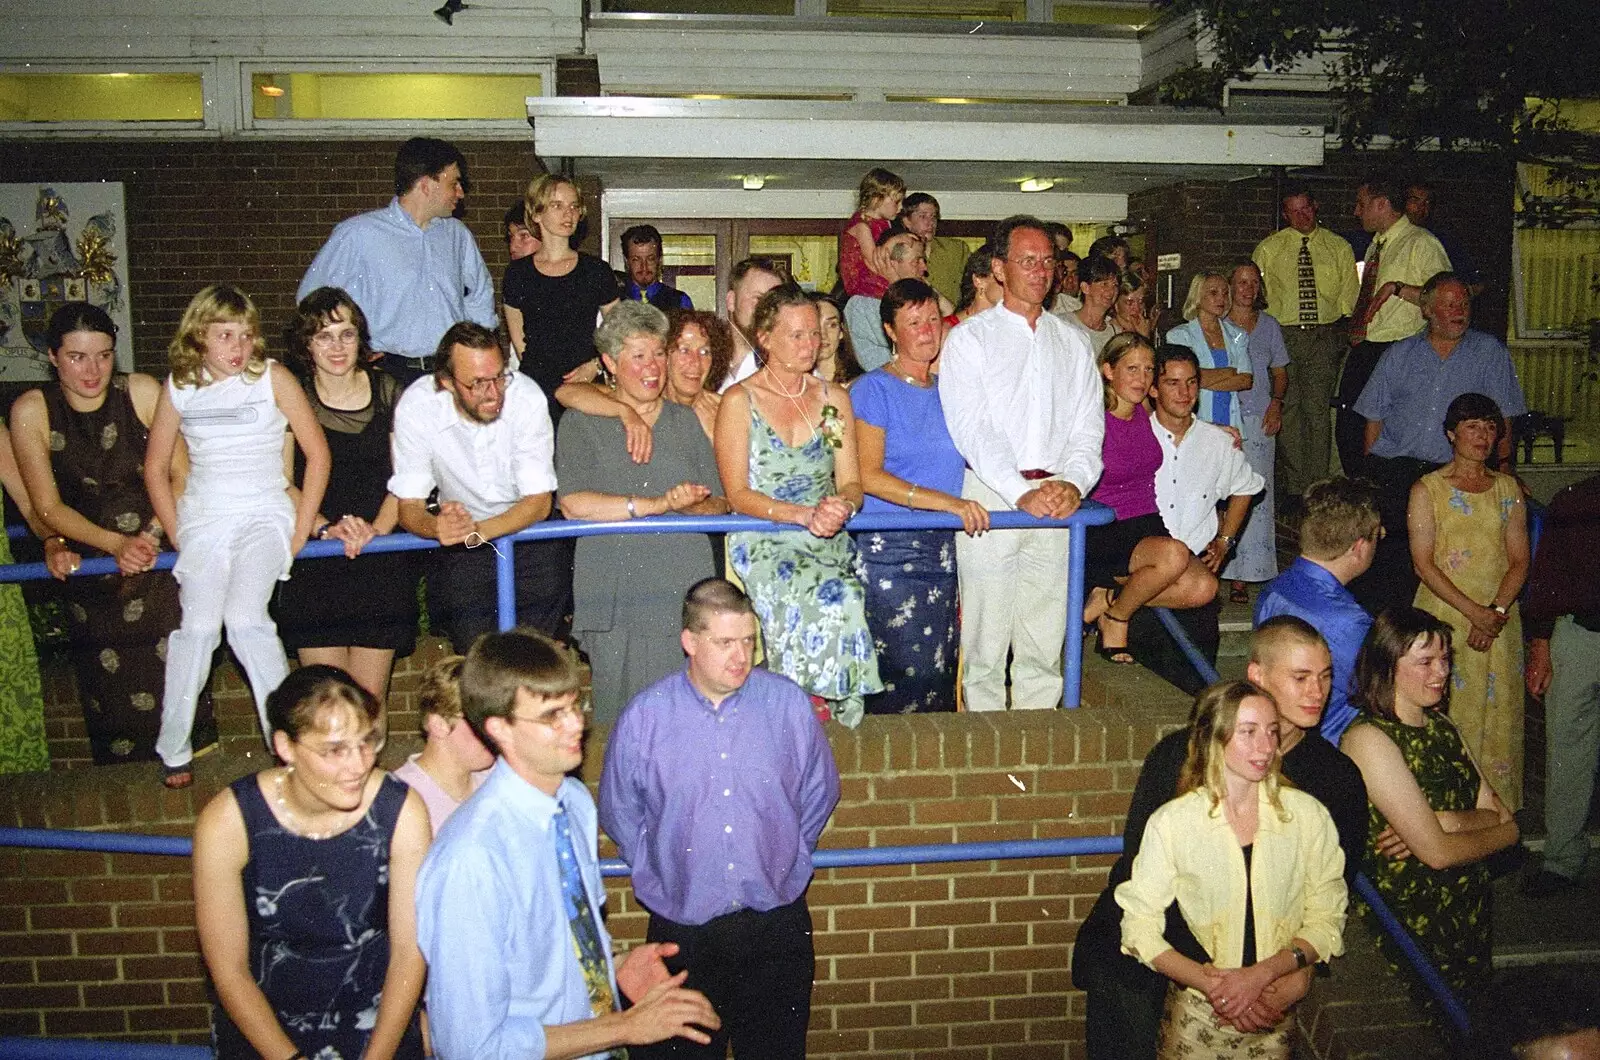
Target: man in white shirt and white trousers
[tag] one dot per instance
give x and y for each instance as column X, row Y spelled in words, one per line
column 1201, row 465
column 1023, row 402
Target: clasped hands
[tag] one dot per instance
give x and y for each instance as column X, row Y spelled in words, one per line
column 1051, row 499
column 1250, row 999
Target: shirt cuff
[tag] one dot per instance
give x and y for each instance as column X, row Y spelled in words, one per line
column 532, row 480
column 411, row 486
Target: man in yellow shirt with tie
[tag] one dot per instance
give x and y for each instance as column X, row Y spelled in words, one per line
column 1310, row 277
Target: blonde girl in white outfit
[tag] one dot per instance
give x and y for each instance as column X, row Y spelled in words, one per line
column 240, row 521
column 1257, row 873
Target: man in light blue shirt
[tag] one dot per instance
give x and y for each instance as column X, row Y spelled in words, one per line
column 907, row 260
column 1404, row 405
column 509, row 896
column 1338, row 534
column 412, row 268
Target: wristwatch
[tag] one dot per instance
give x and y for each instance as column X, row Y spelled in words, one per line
column 633, row 512
column 1500, row 609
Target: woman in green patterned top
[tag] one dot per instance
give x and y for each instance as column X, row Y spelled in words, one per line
column 22, row 743
column 1434, row 819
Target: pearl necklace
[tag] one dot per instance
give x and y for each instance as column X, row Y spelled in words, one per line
column 291, row 822
column 804, row 417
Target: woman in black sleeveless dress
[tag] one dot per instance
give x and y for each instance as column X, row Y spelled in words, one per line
column 80, row 444
column 303, row 878
column 359, row 612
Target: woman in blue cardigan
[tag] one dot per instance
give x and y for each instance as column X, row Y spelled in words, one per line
column 1222, row 346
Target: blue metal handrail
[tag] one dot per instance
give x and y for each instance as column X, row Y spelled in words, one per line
column 1390, row 924
column 1090, row 514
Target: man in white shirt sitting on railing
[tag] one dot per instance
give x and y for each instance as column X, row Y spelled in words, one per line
column 1022, row 400
column 480, row 434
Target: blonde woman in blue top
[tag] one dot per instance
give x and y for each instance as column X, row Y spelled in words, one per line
column 1222, row 346
column 1256, row 870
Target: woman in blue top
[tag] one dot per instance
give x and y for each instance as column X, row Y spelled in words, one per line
column 908, row 462
column 1222, row 346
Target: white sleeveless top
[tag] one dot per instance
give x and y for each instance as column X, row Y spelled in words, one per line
column 234, row 430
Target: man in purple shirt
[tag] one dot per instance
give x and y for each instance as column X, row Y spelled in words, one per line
column 718, row 781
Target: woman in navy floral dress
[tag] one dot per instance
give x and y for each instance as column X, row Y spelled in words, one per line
column 303, row 881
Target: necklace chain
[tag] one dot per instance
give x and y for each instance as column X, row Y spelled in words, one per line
column 805, row 417
column 292, row 822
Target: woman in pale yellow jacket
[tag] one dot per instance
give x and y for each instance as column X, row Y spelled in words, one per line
column 1257, row 873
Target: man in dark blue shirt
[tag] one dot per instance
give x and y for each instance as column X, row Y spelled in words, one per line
column 1338, row 535
column 642, row 249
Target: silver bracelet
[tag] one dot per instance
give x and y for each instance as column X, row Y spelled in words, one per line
column 633, row 512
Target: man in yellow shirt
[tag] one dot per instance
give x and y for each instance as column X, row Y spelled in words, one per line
column 1311, row 282
column 1401, row 258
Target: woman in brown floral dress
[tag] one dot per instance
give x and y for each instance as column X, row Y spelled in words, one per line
column 80, row 442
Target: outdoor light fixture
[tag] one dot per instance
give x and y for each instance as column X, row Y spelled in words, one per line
column 754, row 182
column 450, row 9
column 1037, row 184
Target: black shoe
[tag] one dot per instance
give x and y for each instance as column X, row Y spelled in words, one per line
column 1544, row 884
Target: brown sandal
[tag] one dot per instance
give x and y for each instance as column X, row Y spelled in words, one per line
column 175, row 778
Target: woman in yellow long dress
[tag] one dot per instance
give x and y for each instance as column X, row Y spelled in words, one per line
column 1469, row 544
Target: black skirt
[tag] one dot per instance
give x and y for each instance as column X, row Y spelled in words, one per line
column 1111, row 546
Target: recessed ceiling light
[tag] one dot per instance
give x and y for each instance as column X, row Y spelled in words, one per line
column 1038, row 184
column 754, row 182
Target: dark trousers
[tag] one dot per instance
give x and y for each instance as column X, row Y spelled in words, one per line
column 756, row 970
column 462, row 597
column 1350, row 428
column 1391, row 581
column 1124, row 1018
column 406, row 370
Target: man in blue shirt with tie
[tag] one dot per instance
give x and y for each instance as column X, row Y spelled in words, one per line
column 1338, row 534
column 717, row 784
column 642, row 249
column 509, row 896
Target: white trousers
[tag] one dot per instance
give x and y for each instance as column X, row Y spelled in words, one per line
column 1013, row 596
column 226, row 571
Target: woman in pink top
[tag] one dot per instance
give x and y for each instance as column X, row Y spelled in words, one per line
column 1133, row 561
column 876, row 209
column 453, row 761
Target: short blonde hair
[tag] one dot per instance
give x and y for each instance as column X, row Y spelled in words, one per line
column 218, row 304
column 876, row 184
column 541, row 188
column 439, row 691
column 1191, row 303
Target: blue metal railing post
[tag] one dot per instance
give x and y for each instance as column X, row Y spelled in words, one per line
column 1072, row 650
column 505, row 582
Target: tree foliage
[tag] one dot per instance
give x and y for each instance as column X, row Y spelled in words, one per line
column 1420, row 73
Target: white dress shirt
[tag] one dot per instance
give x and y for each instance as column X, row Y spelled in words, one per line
column 1196, row 474
column 486, row 466
column 1018, row 398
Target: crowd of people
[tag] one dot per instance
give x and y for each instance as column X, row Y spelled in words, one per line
column 1385, row 682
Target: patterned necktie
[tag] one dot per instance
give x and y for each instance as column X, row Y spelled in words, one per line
column 585, row 934
column 1308, row 282
column 1369, row 283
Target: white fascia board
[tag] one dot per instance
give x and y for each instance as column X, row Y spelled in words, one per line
column 596, row 136
column 810, row 62
column 835, row 202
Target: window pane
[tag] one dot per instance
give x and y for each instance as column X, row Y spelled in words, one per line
column 698, row 7
column 1136, row 15
column 400, row 96
column 962, row 10
column 1558, row 271
column 813, row 261
column 689, row 262
column 101, row 97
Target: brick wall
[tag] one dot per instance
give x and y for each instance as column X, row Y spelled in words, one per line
column 251, row 213
column 943, row 961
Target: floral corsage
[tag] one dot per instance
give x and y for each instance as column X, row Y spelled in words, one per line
column 832, row 427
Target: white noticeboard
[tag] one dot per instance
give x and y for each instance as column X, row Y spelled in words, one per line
column 59, row 243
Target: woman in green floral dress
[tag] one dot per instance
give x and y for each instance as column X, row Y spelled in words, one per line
column 22, row 743
column 786, row 452
column 1434, row 819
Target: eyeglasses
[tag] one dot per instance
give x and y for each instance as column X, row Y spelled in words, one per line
column 344, row 751
column 480, row 387
column 1034, row 264
column 556, row 717
column 324, row 340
